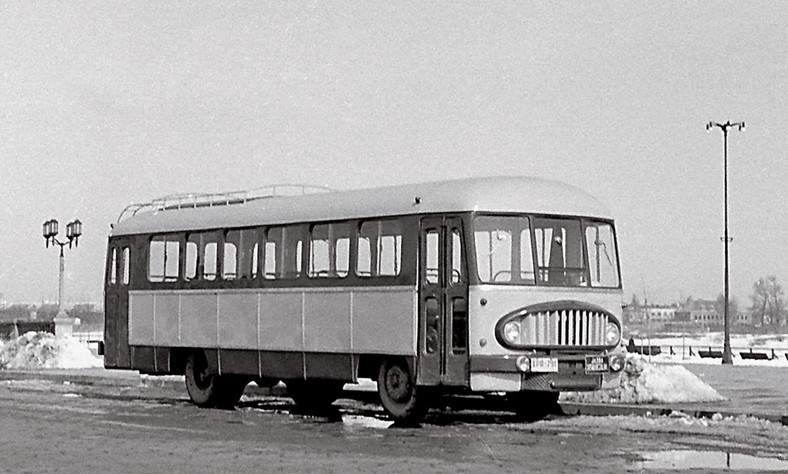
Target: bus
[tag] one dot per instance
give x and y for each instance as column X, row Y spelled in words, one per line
column 498, row 286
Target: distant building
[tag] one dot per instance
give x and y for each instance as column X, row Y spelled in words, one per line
column 642, row 314
column 743, row 319
column 699, row 312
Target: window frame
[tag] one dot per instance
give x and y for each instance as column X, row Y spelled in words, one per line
column 583, row 221
column 375, row 260
column 167, row 238
column 344, row 231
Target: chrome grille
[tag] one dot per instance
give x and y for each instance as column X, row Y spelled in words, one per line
column 574, row 327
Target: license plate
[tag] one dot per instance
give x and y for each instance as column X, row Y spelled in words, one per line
column 597, row 364
column 544, row 364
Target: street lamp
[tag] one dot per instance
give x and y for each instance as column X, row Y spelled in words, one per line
column 64, row 326
column 727, row 357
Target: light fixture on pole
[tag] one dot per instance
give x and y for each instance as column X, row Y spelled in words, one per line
column 727, row 356
column 64, row 326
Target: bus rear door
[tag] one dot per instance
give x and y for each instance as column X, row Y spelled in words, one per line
column 116, row 304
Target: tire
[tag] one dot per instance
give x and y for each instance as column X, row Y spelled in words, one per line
column 401, row 398
column 211, row 390
column 532, row 405
column 314, row 394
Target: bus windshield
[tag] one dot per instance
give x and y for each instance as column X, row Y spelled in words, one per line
column 549, row 251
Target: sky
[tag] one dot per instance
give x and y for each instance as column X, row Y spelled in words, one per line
column 104, row 104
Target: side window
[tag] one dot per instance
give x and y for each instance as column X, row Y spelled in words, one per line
column 433, row 257
column 163, row 259
column 329, row 251
column 319, row 260
column 456, row 256
column 379, row 249
column 269, row 256
column 283, row 251
column 210, row 247
column 201, row 256
column 232, row 240
column 126, row 265
column 192, row 244
column 113, row 266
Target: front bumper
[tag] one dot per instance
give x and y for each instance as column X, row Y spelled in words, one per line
column 502, row 373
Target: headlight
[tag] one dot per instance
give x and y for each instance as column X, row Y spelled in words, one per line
column 612, row 334
column 511, row 332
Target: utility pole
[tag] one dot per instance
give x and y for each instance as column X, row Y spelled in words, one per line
column 727, row 356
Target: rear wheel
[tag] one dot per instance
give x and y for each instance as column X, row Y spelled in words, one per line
column 531, row 405
column 399, row 395
column 211, row 390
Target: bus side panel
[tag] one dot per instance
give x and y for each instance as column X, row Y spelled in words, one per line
column 274, row 332
column 165, row 318
column 141, row 319
column 238, row 313
column 384, row 321
column 327, row 321
column 198, row 320
column 280, row 324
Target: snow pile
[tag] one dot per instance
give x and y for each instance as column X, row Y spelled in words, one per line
column 41, row 350
column 643, row 382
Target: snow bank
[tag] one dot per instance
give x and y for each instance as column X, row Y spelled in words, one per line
column 645, row 382
column 41, row 350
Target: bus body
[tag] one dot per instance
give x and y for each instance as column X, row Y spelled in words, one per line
column 482, row 285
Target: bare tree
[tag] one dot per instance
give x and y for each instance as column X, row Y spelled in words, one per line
column 768, row 302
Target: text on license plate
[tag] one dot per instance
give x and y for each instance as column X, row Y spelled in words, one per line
column 596, row 364
column 544, row 364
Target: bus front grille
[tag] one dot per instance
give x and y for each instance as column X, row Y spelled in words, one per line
column 574, row 327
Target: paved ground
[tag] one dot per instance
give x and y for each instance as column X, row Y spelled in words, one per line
column 110, row 421
column 757, row 391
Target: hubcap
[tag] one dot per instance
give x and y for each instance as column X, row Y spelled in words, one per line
column 201, row 377
column 398, row 384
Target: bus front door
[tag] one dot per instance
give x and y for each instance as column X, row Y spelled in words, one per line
column 443, row 304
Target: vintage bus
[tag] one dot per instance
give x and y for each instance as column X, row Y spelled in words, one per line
column 505, row 285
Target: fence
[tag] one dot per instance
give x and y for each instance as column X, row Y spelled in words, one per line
column 746, row 353
column 15, row 328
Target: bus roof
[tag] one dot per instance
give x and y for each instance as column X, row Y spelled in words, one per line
column 493, row 194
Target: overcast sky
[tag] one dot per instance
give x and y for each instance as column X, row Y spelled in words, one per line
column 103, row 104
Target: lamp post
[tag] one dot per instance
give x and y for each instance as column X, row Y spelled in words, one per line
column 64, row 326
column 727, row 357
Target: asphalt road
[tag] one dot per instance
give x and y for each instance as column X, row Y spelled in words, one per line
column 123, row 424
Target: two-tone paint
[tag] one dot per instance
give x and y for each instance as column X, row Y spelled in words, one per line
column 337, row 329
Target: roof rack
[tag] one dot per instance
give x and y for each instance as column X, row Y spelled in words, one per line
column 195, row 200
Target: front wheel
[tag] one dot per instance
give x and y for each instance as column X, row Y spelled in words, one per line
column 399, row 395
column 211, row 390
